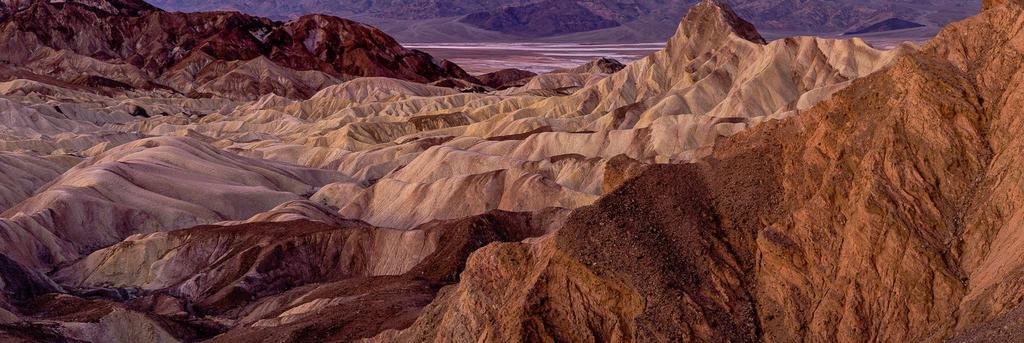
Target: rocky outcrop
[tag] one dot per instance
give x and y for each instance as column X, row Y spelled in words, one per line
column 136, row 44
column 505, row 78
column 598, row 66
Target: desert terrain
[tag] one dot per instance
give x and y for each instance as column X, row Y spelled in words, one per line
column 225, row 177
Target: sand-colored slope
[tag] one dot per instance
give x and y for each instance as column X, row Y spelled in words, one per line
column 718, row 65
column 148, row 185
column 45, row 130
column 24, row 174
column 715, row 78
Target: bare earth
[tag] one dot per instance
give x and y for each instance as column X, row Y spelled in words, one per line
column 184, row 177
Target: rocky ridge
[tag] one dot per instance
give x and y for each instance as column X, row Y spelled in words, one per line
column 723, row 189
column 130, row 44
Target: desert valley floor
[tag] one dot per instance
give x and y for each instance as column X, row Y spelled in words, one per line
column 482, row 58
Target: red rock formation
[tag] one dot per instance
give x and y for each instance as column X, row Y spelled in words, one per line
column 158, row 42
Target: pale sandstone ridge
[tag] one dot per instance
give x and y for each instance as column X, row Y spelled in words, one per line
column 411, row 150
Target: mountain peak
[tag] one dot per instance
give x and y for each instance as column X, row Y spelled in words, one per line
column 714, row 19
column 707, row 26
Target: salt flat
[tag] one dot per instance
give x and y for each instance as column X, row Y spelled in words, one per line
column 535, row 57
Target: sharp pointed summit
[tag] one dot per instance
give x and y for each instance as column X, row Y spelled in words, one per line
column 709, row 25
column 715, row 18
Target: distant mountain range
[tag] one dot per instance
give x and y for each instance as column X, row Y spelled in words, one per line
column 128, row 44
column 590, row 20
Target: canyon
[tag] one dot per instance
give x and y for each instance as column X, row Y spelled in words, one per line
column 215, row 176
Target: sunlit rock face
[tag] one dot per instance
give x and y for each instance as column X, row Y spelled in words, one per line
column 724, row 188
